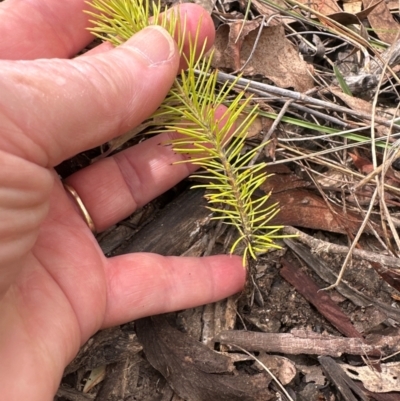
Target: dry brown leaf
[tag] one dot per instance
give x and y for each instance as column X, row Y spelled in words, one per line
column 380, row 382
column 266, row 11
column 325, row 7
column 393, row 4
column 352, row 7
column 363, row 164
column 382, row 21
column 274, row 56
column 312, row 373
column 228, row 43
column 282, row 368
column 331, row 179
column 354, row 103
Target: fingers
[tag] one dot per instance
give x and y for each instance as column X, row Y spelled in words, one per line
column 53, row 28
column 79, row 104
column 195, row 24
column 113, row 188
column 146, row 284
column 43, row 28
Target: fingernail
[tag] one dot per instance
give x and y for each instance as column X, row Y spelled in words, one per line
column 155, row 44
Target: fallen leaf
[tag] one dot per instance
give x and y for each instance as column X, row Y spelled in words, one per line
column 325, row 7
column 348, row 18
column 363, row 165
column 382, row 21
column 312, row 373
column 266, row 11
column 354, row 103
column 379, row 382
column 282, row 368
column 353, row 7
column 272, row 56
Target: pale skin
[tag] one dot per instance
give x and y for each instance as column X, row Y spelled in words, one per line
column 56, row 287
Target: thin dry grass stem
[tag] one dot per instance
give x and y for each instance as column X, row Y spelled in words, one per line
column 379, row 189
column 386, row 163
column 268, row 134
column 254, row 45
column 305, row 109
column 354, row 243
column 385, row 215
column 315, row 156
column 344, row 205
column 372, row 228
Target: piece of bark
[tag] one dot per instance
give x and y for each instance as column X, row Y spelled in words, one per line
column 194, row 371
column 320, row 299
column 310, row 343
column 177, row 227
column 73, row 395
column 342, row 382
column 217, row 317
column 105, row 347
column 325, row 272
column 121, row 380
column 393, row 396
column 391, row 276
column 303, row 208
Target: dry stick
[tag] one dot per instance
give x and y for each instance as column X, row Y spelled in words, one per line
column 306, row 109
column 303, row 343
column 250, row 85
column 319, row 246
column 326, row 117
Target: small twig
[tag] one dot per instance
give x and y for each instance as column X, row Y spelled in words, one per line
column 319, row 246
column 271, row 130
column 250, row 85
column 304, row 342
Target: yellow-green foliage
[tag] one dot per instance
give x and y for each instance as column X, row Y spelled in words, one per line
column 194, row 99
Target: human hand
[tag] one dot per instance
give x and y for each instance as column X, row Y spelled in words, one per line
column 56, row 287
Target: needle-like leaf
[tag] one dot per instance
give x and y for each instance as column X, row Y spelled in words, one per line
column 190, row 110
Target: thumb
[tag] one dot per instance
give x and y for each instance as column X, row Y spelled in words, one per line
column 78, row 104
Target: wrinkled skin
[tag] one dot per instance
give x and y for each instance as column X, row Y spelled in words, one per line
column 56, row 287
